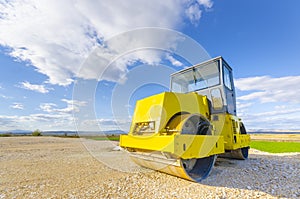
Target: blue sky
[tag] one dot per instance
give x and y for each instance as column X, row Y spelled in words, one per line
column 51, row 69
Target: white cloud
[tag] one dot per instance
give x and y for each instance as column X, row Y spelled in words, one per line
column 37, row 121
column 17, row 106
column 173, row 61
column 206, row 3
column 2, row 95
column 5, row 97
column 266, row 102
column 279, row 112
column 34, row 87
column 57, row 36
column 52, row 117
column 269, row 89
column 284, row 119
column 104, row 124
column 241, row 105
column 72, row 106
column 193, row 12
column 47, row 107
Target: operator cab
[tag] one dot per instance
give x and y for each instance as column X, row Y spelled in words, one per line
column 212, row 78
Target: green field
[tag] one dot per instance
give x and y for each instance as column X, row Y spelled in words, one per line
column 111, row 138
column 276, row 147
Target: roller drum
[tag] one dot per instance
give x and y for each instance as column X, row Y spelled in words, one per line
column 190, row 169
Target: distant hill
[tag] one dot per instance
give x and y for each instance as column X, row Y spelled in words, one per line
column 110, row 132
column 272, row 131
column 84, row 133
column 17, row 131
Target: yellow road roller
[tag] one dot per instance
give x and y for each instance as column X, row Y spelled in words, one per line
column 181, row 132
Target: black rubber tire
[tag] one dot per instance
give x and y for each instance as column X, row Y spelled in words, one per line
column 242, row 153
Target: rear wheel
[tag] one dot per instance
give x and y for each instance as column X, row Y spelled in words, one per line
column 245, row 150
column 242, row 153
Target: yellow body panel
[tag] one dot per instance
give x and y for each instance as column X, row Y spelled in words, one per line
column 198, row 146
column 162, row 107
column 181, row 146
column 228, row 126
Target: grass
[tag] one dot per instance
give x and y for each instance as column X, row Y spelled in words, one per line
column 276, row 147
column 6, row 135
column 111, row 138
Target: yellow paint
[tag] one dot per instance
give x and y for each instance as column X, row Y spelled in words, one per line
column 228, row 126
column 161, row 107
column 182, row 146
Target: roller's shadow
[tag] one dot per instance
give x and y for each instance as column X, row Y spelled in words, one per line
column 275, row 175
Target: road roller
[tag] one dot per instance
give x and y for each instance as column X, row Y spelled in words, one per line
column 181, row 132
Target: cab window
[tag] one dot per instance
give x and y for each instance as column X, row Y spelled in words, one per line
column 197, row 78
column 227, row 77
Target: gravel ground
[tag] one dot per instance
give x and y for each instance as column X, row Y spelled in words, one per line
column 49, row 167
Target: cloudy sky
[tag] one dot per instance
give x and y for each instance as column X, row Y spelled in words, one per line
column 61, row 59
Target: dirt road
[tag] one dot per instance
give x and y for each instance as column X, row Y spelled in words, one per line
column 49, row 167
column 276, row 137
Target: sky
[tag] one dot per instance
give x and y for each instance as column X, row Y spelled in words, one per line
column 81, row 65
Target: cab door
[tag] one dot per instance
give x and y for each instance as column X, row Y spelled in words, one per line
column 229, row 89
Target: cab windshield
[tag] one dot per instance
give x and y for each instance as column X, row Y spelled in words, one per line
column 196, row 78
